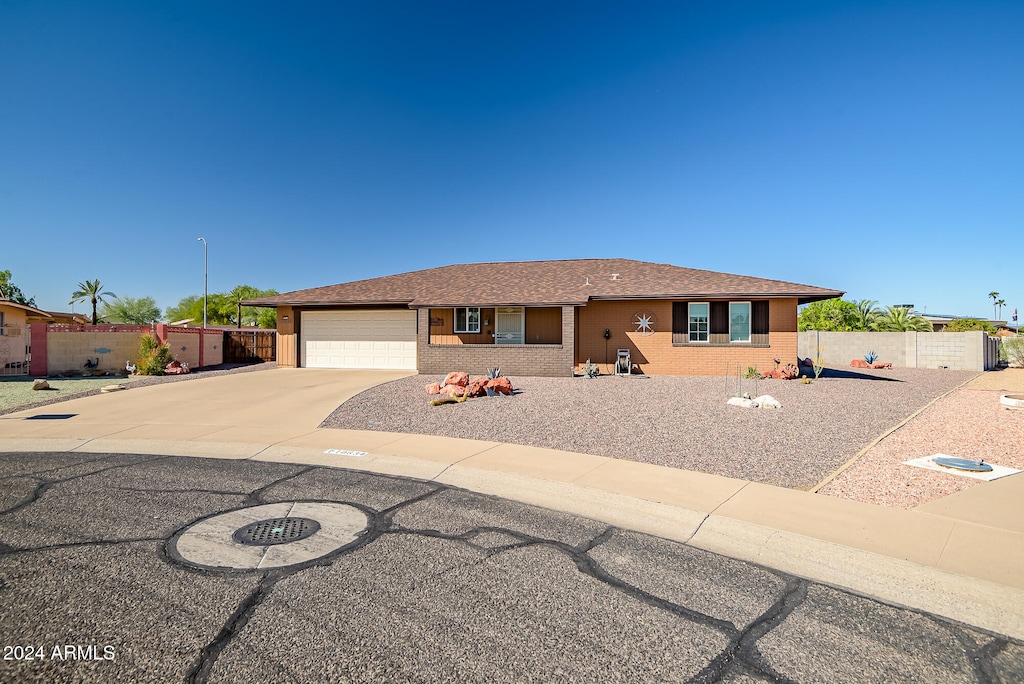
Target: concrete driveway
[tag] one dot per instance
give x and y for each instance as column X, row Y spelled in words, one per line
column 234, row 415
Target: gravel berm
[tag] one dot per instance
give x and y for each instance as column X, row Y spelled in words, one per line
column 682, row 422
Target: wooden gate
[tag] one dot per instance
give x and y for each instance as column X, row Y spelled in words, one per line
column 250, row 346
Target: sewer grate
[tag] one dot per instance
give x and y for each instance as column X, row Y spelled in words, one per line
column 276, row 531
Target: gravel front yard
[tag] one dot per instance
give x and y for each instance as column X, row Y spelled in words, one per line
column 682, row 422
column 969, row 423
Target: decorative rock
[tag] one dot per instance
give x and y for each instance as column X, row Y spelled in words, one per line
column 477, row 387
column 860, row 363
column 457, row 378
column 742, row 402
column 768, row 401
column 433, row 388
column 40, row 384
column 112, row 388
column 882, row 364
column 453, row 390
column 500, row 385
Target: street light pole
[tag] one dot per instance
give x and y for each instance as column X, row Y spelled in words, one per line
column 206, row 276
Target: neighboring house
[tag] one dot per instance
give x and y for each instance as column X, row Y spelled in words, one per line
column 63, row 317
column 14, row 338
column 544, row 318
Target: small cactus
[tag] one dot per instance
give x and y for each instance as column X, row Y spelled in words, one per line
column 493, row 373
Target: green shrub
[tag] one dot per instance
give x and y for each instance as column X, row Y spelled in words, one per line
column 751, row 373
column 1012, row 349
column 965, row 324
column 153, row 356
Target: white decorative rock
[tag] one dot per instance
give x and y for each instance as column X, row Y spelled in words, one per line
column 742, row 402
column 40, row 384
column 768, row 401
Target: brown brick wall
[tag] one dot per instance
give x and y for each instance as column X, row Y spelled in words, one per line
column 527, row 359
column 655, row 353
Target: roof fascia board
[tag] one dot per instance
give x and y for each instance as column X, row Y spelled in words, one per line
column 720, row 295
column 491, row 305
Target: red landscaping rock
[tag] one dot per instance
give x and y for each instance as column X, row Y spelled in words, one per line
column 477, row 387
column 500, row 385
column 860, row 363
column 453, row 390
column 882, row 364
column 457, row 378
column 433, row 388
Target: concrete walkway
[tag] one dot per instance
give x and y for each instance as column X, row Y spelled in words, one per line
column 962, row 561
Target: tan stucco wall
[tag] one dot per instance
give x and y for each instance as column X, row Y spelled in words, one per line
column 655, row 353
column 13, row 316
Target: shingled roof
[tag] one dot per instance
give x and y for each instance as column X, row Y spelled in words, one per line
column 545, row 283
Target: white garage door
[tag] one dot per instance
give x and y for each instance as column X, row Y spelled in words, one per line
column 383, row 340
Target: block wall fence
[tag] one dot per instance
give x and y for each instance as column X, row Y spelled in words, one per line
column 973, row 350
column 64, row 349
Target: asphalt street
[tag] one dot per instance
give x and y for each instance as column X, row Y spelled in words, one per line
column 97, row 584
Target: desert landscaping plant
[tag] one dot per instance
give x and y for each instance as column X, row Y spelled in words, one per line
column 153, row 356
column 1013, row 349
column 837, row 315
column 902, row 319
column 870, row 357
column 818, row 364
column 751, row 373
column 967, row 324
column 91, row 291
column 136, row 311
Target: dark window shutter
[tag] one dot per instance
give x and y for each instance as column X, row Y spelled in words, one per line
column 719, row 318
column 680, row 318
column 759, row 318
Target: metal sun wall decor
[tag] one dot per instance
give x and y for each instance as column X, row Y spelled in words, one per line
column 644, row 322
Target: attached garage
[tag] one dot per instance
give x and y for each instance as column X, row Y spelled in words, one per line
column 359, row 338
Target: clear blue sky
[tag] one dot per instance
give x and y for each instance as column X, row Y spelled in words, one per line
column 872, row 147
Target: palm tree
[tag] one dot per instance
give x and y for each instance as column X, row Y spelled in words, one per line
column 900, row 319
column 994, row 296
column 1001, row 303
column 867, row 314
column 93, row 291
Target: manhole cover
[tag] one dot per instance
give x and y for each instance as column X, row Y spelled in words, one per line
column 963, row 464
column 270, row 535
column 276, row 531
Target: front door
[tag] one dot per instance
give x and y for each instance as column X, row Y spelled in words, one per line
column 509, row 325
